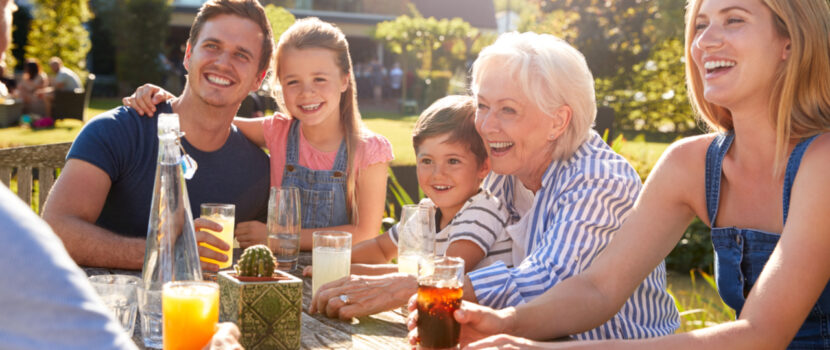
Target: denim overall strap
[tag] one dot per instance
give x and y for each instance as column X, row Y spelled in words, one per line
column 292, row 150
column 714, row 167
column 292, row 146
column 792, row 168
column 322, row 192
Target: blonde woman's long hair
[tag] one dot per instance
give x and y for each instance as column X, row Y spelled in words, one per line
column 313, row 33
column 800, row 102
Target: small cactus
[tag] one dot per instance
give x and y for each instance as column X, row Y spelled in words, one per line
column 256, row 261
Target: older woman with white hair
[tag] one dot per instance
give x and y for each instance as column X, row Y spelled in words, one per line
column 566, row 190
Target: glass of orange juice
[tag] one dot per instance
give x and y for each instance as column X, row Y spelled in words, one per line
column 190, row 311
column 222, row 214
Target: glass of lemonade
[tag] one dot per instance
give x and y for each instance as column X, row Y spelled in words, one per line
column 190, row 312
column 331, row 257
column 222, row 214
column 439, row 295
column 416, row 237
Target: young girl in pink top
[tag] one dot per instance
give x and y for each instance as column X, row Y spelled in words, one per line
column 319, row 145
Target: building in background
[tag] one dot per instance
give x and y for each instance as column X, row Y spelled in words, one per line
column 357, row 18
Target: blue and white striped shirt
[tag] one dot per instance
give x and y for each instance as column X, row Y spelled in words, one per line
column 582, row 202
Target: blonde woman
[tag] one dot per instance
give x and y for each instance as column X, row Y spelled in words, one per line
column 758, row 72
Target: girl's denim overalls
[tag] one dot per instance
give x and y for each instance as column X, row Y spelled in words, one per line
column 740, row 254
column 322, row 192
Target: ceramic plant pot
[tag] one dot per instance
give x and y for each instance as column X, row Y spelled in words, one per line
column 266, row 309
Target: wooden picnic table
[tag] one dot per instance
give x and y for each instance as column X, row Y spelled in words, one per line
column 386, row 330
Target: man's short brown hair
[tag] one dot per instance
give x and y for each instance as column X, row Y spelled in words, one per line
column 248, row 9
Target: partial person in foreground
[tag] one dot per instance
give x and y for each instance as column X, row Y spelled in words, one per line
column 470, row 222
column 100, row 203
column 760, row 182
column 46, row 299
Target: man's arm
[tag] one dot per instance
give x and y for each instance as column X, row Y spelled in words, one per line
column 72, row 208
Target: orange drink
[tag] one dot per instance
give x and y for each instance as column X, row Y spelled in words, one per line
column 190, row 311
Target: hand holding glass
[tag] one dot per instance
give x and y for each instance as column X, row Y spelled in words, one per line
column 222, row 214
column 439, row 295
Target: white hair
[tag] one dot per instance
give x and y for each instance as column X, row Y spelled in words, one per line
column 550, row 73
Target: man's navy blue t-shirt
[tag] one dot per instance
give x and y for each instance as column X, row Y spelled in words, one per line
column 125, row 146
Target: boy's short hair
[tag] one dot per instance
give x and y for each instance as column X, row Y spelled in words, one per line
column 453, row 115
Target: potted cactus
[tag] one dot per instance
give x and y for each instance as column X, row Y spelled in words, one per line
column 265, row 303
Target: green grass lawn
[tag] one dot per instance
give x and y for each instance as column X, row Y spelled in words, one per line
column 398, row 130
column 395, row 127
column 64, row 130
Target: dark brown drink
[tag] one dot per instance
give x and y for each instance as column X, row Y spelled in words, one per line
column 436, row 326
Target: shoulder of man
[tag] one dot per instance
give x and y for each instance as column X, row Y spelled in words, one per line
column 111, row 138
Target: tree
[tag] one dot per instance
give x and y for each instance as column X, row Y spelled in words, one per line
column 140, row 41
column 279, row 18
column 634, row 48
column 438, row 44
column 656, row 99
column 441, row 46
column 58, row 30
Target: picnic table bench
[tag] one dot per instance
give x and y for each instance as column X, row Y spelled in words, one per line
column 386, row 330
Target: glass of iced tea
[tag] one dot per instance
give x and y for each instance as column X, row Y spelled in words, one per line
column 439, row 295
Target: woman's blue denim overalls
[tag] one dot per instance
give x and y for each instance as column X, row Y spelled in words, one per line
column 740, row 254
column 322, row 192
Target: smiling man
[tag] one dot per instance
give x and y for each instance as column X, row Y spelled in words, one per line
column 100, row 204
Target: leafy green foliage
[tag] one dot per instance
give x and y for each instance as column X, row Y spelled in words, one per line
column 58, row 30
column 139, row 40
column 634, row 49
column 441, row 46
column 613, row 35
column 694, row 251
column 438, row 44
column 699, row 304
column 279, row 18
column 656, row 99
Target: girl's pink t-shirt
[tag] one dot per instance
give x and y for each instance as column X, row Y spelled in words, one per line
column 372, row 150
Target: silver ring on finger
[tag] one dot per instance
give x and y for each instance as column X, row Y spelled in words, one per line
column 344, row 298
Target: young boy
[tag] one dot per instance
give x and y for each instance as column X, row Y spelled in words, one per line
column 451, row 163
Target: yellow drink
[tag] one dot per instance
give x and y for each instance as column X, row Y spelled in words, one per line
column 226, row 235
column 328, row 264
column 190, row 311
